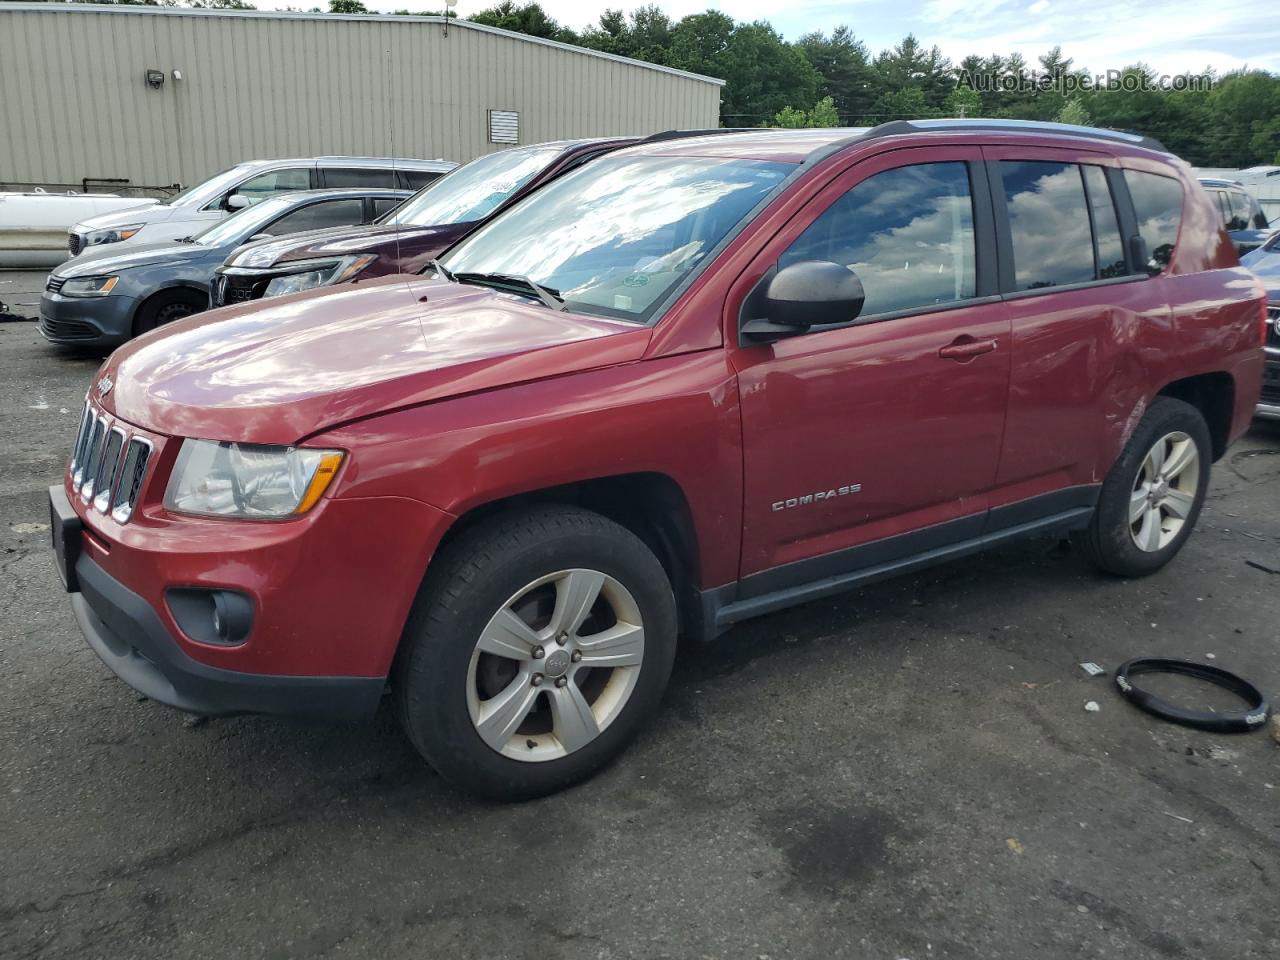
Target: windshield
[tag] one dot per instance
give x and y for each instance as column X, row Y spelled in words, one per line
column 472, row 190
column 613, row 237
column 243, row 224
column 208, row 188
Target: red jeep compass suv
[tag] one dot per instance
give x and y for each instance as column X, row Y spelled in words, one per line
column 687, row 383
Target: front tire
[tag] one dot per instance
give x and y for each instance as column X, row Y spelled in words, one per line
column 540, row 643
column 1152, row 497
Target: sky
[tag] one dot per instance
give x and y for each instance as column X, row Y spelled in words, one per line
column 1173, row 36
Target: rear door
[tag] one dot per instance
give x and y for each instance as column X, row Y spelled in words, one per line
column 1081, row 311
column 877, row 439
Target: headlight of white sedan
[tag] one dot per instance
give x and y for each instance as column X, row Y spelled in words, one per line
column 329, row 272
column 250, row 481
column 112, row 234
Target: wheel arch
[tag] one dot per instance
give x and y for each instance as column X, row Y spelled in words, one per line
column 180, row 290
column 651, row 505
column 1214, row 395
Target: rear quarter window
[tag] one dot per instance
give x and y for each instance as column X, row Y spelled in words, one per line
column 1157, row 201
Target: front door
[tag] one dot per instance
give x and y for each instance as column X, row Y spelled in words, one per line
column 858, row 433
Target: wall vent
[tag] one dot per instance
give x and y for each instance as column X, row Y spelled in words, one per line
column 504, row 126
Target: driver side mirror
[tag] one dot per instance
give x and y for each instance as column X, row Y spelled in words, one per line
column 812, row 293
column 237, row 201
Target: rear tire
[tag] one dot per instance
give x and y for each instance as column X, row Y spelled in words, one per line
column 539, row 644
column 1152, row 497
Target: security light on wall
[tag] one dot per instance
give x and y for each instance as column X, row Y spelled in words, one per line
column 155, row 79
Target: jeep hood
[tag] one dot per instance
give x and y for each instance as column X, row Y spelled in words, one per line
column 280, row 370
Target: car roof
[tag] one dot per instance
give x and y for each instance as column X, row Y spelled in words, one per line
column 399, row 163
column 800, row 145
column 337, row 193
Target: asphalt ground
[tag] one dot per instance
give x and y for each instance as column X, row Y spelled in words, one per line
column 904, row 771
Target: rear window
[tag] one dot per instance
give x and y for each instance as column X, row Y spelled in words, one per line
column 1157, row 201
column 1049, row 221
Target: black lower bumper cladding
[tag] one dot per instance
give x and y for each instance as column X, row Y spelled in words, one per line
column 1231, row 721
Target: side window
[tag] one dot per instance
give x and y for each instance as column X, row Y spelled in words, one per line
column 358, row 177
column 1240, row 214
column 907, row 233
column 416, row 179
column 1224, row 206
column 1257, row 218
column 317, row 216
column 1049, row 221
column 383, row 205
column 1157, row 201
column 277, row 181
column 1106, row 228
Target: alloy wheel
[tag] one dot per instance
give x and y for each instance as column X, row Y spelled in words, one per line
column 555, row 665
column 1164, row 492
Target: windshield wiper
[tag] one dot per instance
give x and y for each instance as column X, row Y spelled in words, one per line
column 502, row 281
column 442, row 270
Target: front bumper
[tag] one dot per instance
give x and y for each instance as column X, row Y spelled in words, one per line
column 126, row 632
column 86, row 321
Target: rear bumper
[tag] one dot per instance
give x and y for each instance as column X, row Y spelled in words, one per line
column 129, row 636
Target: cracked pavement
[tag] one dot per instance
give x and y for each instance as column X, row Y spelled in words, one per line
column 904, row 771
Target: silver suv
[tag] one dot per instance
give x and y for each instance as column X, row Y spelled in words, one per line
column 199, row 207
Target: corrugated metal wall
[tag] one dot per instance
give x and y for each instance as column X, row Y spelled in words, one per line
column 75, row 103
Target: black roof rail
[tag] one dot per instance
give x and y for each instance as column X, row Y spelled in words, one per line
column 681, row 134
column 899, row 127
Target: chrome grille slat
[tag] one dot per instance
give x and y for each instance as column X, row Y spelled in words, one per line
column 77, row 451
column 92, row 458
column 132, row 472
column 108, row 470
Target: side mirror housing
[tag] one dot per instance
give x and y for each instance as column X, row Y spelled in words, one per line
column 811, row 293
column 237, row 201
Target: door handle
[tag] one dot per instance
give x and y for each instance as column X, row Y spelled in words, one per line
column 965, row 348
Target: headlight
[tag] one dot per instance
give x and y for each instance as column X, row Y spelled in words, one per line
column 112, row 235
column 88, row 286
column 248, row 480
column 328, row 274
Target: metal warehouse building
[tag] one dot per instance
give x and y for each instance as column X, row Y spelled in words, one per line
column 150, row 97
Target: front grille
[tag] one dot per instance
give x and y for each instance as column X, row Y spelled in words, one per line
column 1271, row 383
column 1273, row 326
column 75, row 243
column 54, row 284
column 231, row 288
column 67, row 329
column 108, row 466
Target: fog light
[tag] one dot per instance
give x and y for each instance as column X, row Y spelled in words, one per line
column 222, row 617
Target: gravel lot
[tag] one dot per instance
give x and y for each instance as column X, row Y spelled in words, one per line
column 906, row 771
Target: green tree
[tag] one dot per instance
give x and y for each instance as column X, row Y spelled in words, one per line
column 963, row 102
column 823, row 114
column 644, row 35
column 528, row 18
column 347, row 6
column 845, row 67
column 762, row 72
column 1073, row 111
